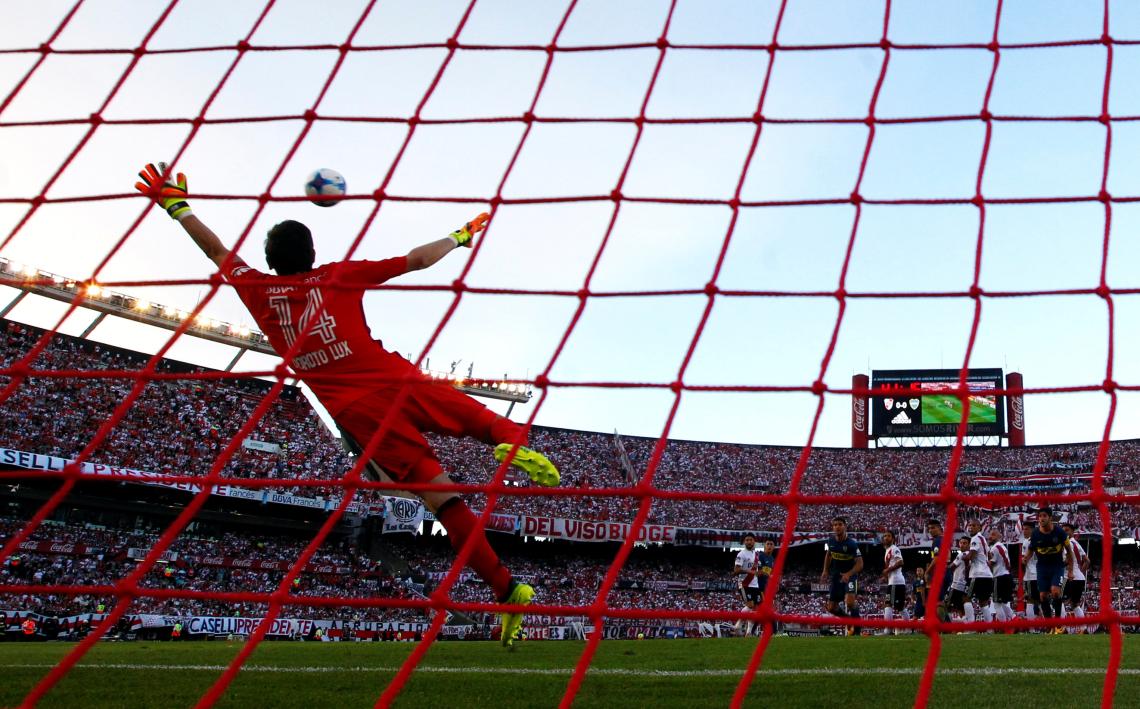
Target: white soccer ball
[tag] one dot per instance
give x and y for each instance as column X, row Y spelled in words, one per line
column 325, row 183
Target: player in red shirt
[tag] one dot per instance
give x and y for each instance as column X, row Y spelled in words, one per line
column 315, row 317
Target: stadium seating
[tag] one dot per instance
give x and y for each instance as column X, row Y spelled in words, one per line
column 565, row 578
column 179, row 426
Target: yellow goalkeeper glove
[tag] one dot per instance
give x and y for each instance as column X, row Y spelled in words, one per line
column 465, row 235
column 171, row 196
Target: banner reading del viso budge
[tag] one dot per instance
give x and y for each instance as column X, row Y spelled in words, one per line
column 587, row 531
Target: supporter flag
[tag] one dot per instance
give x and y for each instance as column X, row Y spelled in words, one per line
column 402, row 515
column 623, row 458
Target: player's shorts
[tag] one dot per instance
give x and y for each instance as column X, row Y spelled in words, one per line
column 1032, row 595
column 840, row 588
column 1049, row 576
column 982, row 588
column 1003, row 588
column 751, row 594
column 403, row 452
column 957, row 599
column 1072, row 591
column 896, row 596
column 947, row 579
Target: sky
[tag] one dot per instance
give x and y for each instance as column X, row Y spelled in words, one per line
column 1055, row 341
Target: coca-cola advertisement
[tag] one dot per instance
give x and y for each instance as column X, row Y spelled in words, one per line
column 1016, row 413
column 860, row 429
column 58, row 548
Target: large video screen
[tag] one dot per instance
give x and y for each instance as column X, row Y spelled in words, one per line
column 923, row 402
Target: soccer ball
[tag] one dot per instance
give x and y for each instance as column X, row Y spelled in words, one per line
column 325, row 183
column 641, row 636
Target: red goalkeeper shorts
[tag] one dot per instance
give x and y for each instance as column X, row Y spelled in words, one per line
column 403, row 452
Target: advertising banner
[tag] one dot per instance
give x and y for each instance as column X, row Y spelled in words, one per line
column 584, row 531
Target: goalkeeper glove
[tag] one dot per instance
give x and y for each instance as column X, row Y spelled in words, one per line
column 465, row 235
column 172, row 195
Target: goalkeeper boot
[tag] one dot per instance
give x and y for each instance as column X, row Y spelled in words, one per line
column 520, row 594
column 537, row 466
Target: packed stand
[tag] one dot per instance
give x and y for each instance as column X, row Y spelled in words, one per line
column 175, row 427
column 180, row 426
column 223, row 563
column 660, row 579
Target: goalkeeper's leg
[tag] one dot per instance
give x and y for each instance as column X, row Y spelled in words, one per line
column 443, row 409
column 407, row 457
column 461, row 525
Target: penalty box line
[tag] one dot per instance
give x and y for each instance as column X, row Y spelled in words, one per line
column 567, row 671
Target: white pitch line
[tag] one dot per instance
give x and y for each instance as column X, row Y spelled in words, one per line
column 565, row 672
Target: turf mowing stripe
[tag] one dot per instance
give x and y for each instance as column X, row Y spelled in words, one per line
column 893, row 671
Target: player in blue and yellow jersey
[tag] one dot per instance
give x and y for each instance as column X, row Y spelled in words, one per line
column 755, row 568
column 918, row 590
column 934, row 531
column 842, row 562
column 765, row 562
column 1049, row 545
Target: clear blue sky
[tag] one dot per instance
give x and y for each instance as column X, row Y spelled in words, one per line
column 1055, row 341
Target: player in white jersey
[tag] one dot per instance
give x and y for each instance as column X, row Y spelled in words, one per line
column 1073, row 589
column 1029, row 573
column 981, row 576
column 959, row 596
column 1003, row 579
column 893, row 576
column 753, row 567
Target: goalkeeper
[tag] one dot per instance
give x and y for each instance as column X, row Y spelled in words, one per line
column 315, row 314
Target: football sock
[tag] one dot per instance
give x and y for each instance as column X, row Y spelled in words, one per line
column 970, row 617
column 1030, row 611
column 461, row 524
column 889, row 614
column 988, row 612
column 748, row 628
column 1046, row 610
column 1058, row 605
column 853, row 611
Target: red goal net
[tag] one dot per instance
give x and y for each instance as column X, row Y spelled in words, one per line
column 756, row 123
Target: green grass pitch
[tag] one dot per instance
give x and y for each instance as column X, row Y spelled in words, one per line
column 946, row 409
column 879, row 672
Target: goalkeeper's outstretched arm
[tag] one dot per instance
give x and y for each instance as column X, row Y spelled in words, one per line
column 171, row 194
column 206, row 239
column 429, row 254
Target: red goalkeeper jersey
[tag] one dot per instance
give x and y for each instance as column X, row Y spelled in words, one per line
column 337, row 356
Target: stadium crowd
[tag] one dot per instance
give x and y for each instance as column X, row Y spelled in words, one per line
column 564, row 575
column 59, row 415
column 176, row 427
column 224, row 563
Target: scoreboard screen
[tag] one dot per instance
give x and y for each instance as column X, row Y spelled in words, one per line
column 923, row 402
